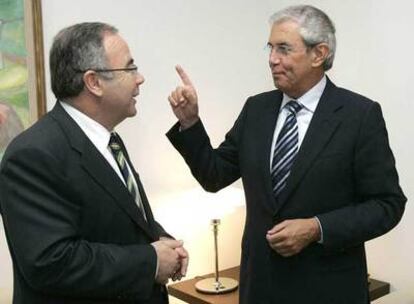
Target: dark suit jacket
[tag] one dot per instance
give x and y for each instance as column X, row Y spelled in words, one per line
column 344, row 174
column 74, row 232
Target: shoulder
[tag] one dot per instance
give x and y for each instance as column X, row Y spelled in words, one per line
column 263, row 100
column 355, row 107
column 354, row 97
column 349, row 98
column 266, row 96
column 45, row 135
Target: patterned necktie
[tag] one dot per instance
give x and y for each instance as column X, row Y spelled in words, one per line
column 286, row 148
column 116, row 149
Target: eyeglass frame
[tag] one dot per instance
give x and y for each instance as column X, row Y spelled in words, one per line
column 285, row 49
column 130, row 69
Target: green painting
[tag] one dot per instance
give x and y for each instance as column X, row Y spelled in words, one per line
column 14, row 100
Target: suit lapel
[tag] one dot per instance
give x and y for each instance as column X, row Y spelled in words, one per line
column 103, row 174
column 99, row 169
column 325, row 121
column 266, row 127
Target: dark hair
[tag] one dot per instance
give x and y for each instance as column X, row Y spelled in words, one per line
column 75, row 49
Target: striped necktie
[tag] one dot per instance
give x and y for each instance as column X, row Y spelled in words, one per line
column 286, row 148
column 116, row 148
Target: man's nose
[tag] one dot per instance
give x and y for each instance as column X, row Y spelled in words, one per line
column 140, row 79
column 274, row 57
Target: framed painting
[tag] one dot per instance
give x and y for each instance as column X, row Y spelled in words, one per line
column 22, row 80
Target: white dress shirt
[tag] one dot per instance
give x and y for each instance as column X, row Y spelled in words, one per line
column 99, row 136
column 309, row 101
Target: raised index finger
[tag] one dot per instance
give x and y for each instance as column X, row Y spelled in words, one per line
column 183, row 75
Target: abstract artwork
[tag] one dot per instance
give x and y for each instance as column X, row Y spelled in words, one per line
column 22, row 93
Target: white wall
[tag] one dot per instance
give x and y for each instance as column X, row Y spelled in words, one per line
column 220, row 43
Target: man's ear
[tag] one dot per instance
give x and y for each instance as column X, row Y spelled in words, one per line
column 320, row 53
column 93, row 83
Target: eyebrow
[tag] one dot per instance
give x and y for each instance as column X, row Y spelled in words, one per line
column 279, row 44
column 283, row 44
column 130, row 62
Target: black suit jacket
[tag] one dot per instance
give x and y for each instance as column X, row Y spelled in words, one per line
column 75, row 233
column 344, row 174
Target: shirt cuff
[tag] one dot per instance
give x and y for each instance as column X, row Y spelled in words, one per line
column 156, row 270
column 320, row 228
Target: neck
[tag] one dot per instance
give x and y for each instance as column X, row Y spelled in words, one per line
column 309, row 84
column 90, row 107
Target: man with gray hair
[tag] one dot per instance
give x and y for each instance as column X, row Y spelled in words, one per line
column 317, row 169
column 77, row 220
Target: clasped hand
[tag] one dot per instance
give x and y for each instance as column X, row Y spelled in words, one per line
column 291, row 236
column 172, row 259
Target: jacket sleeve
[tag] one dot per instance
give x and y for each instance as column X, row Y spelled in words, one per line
column 213, row 168
column 380, row 201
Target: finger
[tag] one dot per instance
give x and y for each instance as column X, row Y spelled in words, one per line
column 172, row 101
column 288, row 249
column 277, row 227
column 181, row 252
column 183, row 75
column 172, row 243
column 276, row 237
column 179, row 92
column 177, row 276
column 184, row 266
column 278, row 246
column 279, row 250
column 178, row 98
column 184, row 259
column 189, row 94
column 282, row 246
column 174, row 95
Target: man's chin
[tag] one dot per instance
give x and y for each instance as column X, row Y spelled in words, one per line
column 276, row 82
column 280, row 84
column 132, row 111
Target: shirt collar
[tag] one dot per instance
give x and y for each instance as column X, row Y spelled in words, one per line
column 96, row 133
column 311, row 98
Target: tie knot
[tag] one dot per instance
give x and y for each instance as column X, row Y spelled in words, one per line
column 114, row 142
column 293, row 106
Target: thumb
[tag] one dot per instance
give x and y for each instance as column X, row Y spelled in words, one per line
column 277, row 228
column 173, row 243
column 189, row 94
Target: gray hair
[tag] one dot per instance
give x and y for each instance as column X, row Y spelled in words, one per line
column 76, row 49
column 314, row 27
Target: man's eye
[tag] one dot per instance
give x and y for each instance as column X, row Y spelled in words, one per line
column 283, row 49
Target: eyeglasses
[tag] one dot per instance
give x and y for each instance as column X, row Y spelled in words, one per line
column 281, row 49
column 132, row 69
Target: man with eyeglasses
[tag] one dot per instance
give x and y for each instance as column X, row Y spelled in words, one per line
column 317, row 170
column 77, row 220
